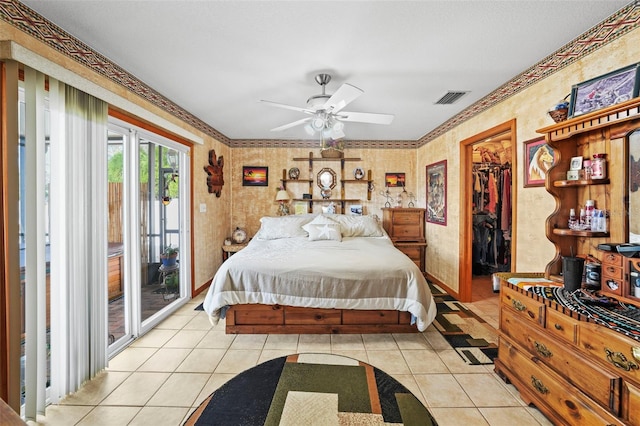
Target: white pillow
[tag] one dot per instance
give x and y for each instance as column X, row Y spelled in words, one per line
column 359, row 226
column 319, row 220
column 325, row 231
column 273, row 228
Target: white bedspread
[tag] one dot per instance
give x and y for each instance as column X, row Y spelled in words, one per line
column 355, row 273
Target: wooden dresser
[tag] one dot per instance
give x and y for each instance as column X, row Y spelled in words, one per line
column 405, row 227
column 575, row 371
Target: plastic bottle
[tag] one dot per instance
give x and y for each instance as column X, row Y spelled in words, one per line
column 589, row 206
column 595, row 221
column 583, row 217
column 572, row 218
column 602, row 221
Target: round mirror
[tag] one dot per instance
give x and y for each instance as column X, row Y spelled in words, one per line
column 326, row 178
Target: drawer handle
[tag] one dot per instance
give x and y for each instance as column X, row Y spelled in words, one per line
column 518, row 305
column 619, row 360
column 542, row 350
column 611, row 270
column 540, row 387
column 557, row 326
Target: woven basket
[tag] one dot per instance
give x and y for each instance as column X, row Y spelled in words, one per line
column 331, row 153
column 559, row 115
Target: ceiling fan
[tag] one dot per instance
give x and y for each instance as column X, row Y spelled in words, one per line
column 325, row 111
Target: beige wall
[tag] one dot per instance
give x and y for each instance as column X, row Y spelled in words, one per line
column 533, row 205
column 251, row 203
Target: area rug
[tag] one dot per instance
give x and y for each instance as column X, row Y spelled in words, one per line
column 474, row 340
column 312, row 389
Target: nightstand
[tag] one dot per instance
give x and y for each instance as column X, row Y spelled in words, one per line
column 228, row 250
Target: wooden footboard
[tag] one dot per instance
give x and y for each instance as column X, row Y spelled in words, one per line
column 277, row 319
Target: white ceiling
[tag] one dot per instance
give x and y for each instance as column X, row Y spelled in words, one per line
column 217, row 59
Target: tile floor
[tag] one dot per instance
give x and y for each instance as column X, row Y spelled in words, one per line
column 168, row 372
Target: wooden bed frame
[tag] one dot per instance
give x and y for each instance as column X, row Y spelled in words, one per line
column 278, row 319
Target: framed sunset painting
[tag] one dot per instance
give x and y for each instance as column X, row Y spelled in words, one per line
column 255, row 176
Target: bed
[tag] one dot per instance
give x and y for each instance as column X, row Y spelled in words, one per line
column 320, row 274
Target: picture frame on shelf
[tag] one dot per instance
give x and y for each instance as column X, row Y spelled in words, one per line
column 606, row 90
column 538, row 159
column 255, row 176
column 355, row 209
column 437, row 193
column 394, row 180
column 576, row 163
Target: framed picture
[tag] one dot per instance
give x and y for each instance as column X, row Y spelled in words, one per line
column 255, row 176
column 394, row 179
column 606, row 90
column 576, row 163
column 356, row 209
column 437, row 193
column 538, row 159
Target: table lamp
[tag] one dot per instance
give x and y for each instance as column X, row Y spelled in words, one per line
column 283, row 197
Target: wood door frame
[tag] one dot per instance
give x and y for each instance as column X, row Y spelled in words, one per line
column 466, row 200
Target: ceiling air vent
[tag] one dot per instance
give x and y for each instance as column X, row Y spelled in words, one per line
column 450, row 97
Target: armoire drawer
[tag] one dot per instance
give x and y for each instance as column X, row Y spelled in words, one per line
column 601, row 385
column 566, row 401
column 525, row 307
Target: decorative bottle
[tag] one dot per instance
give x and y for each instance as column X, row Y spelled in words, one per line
column 599, row 166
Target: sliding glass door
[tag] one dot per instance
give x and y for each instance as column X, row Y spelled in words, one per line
column 148, row 231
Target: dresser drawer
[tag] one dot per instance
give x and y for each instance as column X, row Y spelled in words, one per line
column 600, row 385
column 407, row 232
column 562, row 398
column 561, row 325
column 614, row 349
column 612, row 259
column 406, row 218
column 413, row 252
column 525, row 307
column 615, row 272
column 293, row 315
column 631, row 404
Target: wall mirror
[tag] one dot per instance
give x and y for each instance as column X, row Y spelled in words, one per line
column 327, row 178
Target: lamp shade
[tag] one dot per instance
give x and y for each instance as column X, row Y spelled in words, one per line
column 282, row 195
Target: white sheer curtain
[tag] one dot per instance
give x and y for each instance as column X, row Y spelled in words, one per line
column 84, row 292
column 78, row 239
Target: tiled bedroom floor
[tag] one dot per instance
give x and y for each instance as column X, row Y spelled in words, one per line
column 168, row 372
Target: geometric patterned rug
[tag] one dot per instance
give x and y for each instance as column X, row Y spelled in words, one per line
column 474, row 340
column 312, row 389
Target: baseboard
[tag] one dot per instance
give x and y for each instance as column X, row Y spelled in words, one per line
column 442, row 285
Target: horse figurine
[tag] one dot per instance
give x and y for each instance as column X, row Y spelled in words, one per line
column 215, row 179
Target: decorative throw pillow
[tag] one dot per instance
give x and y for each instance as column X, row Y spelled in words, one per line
column 273, row 228
column 320, row 220
column 326, row 231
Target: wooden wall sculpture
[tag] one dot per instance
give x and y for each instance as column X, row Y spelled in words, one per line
column 215, row 180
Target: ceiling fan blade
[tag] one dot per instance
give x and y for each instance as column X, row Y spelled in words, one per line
column 285, row 106
column 365, row 117
column 342, row 97
column 290, row 125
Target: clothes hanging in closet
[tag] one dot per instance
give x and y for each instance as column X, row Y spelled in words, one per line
column 491, row 218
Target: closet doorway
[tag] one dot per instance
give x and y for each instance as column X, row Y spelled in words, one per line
column 488, row 214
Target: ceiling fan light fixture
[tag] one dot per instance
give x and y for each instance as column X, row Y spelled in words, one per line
column 317, row 123
column 309, row 129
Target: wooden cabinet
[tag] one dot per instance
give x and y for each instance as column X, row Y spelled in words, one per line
column 574, row 370
column 405, row 227
column 336, row 197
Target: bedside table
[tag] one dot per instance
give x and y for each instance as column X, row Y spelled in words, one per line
column 228, row 250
